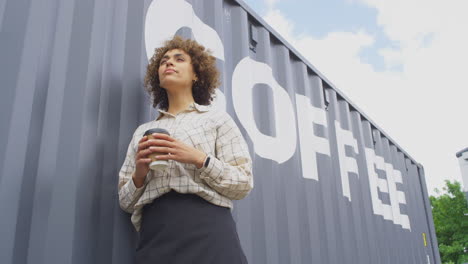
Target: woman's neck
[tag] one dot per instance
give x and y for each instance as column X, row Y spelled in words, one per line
column 179, row 102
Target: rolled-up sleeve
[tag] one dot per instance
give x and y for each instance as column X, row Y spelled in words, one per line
column 128, row 192
column 230, row 171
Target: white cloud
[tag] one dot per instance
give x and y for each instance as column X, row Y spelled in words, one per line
column 271, row 3
column 392, row 57
column 433, row 39
column 421, row 107
column 276, row 19
column 337, row 57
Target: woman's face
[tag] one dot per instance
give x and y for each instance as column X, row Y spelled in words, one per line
column 176, row 70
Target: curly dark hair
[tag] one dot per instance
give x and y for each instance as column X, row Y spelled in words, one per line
column 204, row 66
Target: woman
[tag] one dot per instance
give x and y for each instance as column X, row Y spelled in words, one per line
column 183, row 214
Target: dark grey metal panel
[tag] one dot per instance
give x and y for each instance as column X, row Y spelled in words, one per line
column 344, row 245
column 362, row 130
column 71, row 76
column 433, row 245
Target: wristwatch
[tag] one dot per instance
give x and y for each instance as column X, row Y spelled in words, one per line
column 207, row 161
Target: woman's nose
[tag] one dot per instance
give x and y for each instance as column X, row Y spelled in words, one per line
column 169, row 62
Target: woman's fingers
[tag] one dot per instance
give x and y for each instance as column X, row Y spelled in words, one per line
column 141, row 143
column 143, row 153
column 164, row 137
column 165, row 157
column 145, row 144
column 154, row 142
column 159, row 142
column 143, row 161
column 162, row 149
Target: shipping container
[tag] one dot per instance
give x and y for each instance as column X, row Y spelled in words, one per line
column 330, row 185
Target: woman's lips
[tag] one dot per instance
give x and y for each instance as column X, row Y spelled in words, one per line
column 169, row 71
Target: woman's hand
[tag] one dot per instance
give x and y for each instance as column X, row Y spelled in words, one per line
column 142, row 162
column 176, row 150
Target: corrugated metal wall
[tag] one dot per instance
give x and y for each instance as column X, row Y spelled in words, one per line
column 330, row 186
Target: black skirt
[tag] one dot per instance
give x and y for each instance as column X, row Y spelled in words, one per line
column 181, row 228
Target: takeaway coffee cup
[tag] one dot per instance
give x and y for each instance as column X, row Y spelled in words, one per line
column 156, row 164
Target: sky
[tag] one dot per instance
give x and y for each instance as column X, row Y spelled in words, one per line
column 408, row 61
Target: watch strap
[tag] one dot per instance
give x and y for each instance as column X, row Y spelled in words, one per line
column 207, row 161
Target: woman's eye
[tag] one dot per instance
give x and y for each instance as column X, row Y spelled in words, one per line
column 180, row 59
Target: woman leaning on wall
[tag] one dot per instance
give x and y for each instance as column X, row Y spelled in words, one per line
column 183, row 212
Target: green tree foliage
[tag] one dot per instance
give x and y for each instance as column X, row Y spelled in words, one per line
column 450, row 212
